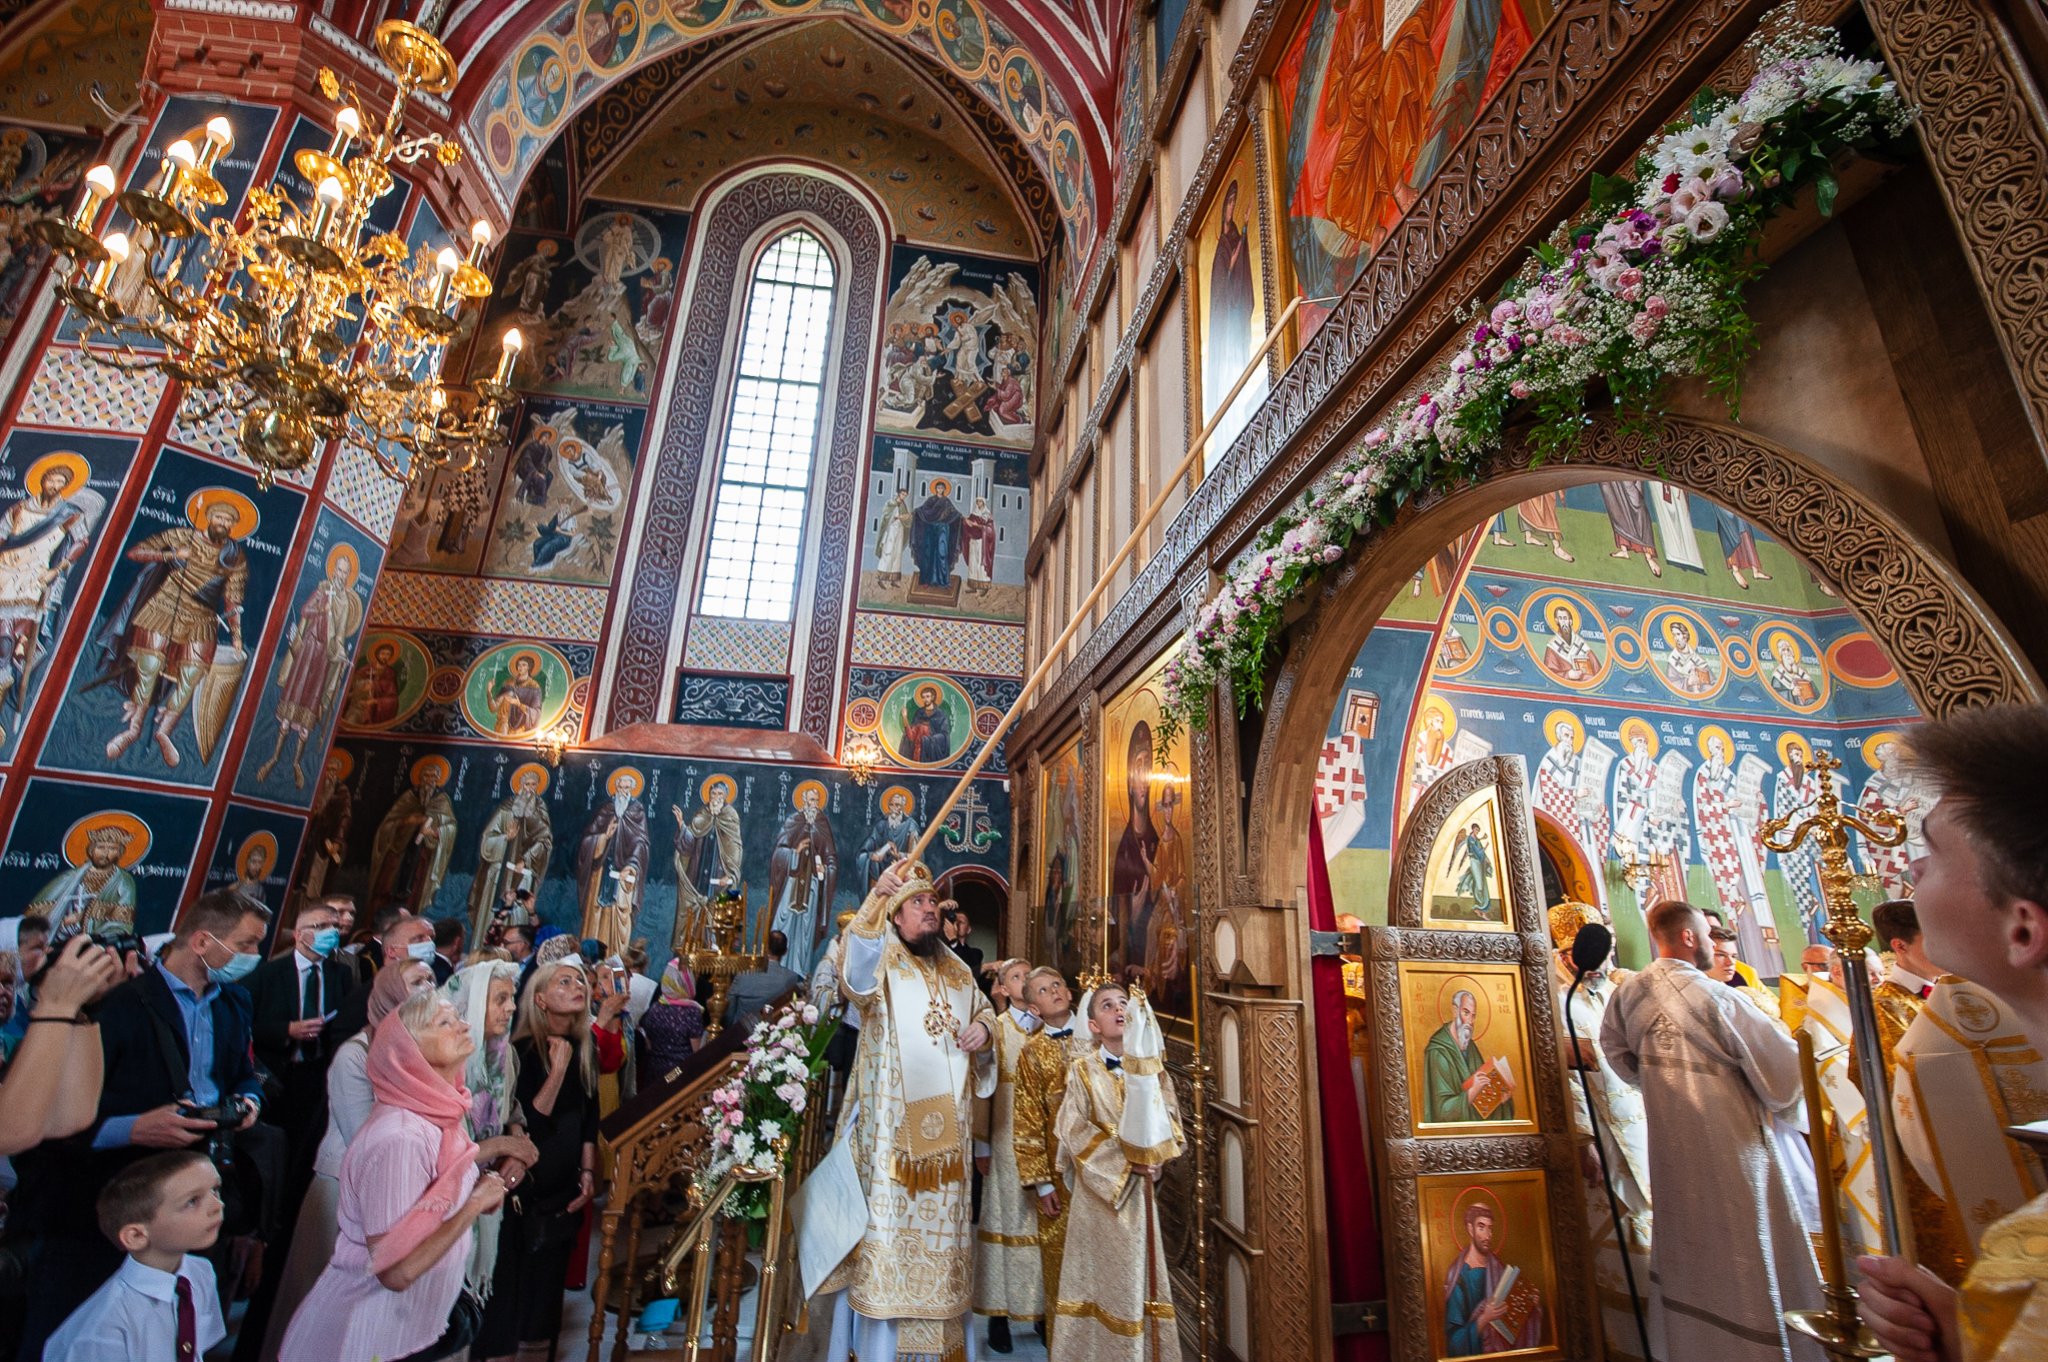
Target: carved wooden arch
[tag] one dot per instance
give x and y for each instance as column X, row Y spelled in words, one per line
column 661, row 546
column 1950, row 651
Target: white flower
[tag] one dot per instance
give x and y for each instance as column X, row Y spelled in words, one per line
column 1706, row 221
column 743, row 1146
column 770, row 1132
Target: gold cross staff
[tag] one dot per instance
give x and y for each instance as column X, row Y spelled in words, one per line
column 1838, row 1328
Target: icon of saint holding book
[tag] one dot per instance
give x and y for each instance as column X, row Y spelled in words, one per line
column 1460, row 1084
column 1488, row 1308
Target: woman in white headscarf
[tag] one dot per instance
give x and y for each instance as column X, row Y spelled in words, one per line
column 486, row 996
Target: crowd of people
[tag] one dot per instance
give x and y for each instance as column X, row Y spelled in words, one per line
column 1688, row 1097
column 375, row 1143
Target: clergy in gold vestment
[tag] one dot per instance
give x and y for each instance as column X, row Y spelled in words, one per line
column 1008, row 1283
column 1622, row 1130
column 1041, row 1088
column 1113, row 1283
column 1731, row 1252
column 924, row 1052
column 1939, row 1238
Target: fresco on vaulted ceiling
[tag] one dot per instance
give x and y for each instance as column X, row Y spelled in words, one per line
column 828, row 93
column 47, row 76
column 583, row 45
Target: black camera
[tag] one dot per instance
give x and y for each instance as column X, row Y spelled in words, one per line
column 118, row 939
column 222, row 1117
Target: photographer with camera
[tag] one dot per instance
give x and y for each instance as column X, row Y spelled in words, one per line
column 179, row 1073
column 52, row 1088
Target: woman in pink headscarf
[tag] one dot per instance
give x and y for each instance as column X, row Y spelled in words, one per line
column 410, row 1199
column 350, row 1101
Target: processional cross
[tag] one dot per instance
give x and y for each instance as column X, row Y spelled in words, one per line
column 1839, row 1329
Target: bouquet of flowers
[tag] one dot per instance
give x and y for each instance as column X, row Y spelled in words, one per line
column 764, row 1102
column 1647, row 286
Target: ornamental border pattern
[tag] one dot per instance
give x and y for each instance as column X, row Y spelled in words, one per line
column 1954, row 62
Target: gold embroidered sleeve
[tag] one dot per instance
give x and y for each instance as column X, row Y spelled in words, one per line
column 1040, row 1070
column 1088, row 1138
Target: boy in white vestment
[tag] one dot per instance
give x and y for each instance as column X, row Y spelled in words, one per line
column 1113, row 1284
column 1008, row 1282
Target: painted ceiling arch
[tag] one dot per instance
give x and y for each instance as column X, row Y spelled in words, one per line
column 947, row 168
column 531, row 65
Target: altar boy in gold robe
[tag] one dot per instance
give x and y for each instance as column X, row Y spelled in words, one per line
column 1117, row 1128
column 1041, row 1088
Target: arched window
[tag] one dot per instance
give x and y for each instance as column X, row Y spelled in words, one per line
column 771, row 435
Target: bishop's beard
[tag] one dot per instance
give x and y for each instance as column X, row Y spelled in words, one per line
column 925, row 947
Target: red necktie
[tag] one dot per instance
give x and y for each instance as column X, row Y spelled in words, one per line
column 188, row 1323
column 1927, row 990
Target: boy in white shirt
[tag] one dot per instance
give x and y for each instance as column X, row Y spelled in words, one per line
column 161, row 1303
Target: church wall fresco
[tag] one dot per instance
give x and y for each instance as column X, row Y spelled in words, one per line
column 40, row 171
column 960, row 339
column 1660, row 715
column 99, row 496
column 1368, row 113
column 834, row 93
column 571, row 54
column 378, row 799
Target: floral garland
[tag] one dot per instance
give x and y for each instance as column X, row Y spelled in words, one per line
column 1649, row 285
column 764, row 1102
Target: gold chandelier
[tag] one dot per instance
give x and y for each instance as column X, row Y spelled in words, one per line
column 263, row 335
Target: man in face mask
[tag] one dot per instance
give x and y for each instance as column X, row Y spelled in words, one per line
column 294, row 998
column 403, row 936
column 178, row 1066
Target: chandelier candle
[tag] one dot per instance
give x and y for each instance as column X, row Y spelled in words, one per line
column 508, row 356
column 348, row 125
column 116, row 248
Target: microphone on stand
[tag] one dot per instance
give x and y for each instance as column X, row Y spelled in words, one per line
column 1590, row 949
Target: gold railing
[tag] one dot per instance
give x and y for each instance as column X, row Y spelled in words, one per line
column 698, row 1241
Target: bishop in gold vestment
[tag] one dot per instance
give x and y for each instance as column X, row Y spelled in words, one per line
column 1114, row 1290
column 924, row 1053
column 1041, row 1088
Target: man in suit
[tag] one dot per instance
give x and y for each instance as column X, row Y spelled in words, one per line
column 754, row 990
column 954, row 926
column 404, row 935
column 449, row 945
column 292, row 997
column 174, row 1038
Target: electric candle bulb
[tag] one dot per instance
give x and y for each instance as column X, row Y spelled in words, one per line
column 220, row 135
column 348, row 125
column 99, row 183
column 479, row 241
column 329, row 199
column 116, row 244
column 177, row 159
column 508, row 356
column 445, row 265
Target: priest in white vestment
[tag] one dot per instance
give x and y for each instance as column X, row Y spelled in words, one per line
column 924, row 1054
column 1622, row 1131
column 1714, row 1071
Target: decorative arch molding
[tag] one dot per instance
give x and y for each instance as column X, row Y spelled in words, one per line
column 663, row 542
column 607, row 129
column 996, row 47
column 1950, row 651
